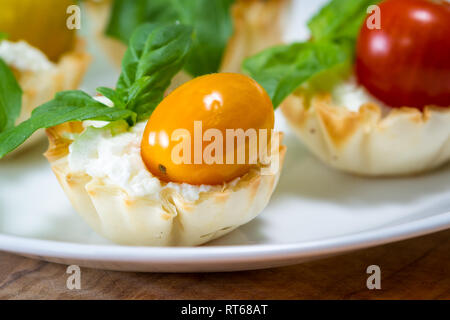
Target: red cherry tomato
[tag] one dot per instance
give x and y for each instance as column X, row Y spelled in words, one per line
column 407, row 61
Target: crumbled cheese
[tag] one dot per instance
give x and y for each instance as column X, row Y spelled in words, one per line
column 117, row 159
column 24, row 57
column 351, row 95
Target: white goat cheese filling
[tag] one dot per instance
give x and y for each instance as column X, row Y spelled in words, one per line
column 117, row 159
column 24, row 57
column 351, row 95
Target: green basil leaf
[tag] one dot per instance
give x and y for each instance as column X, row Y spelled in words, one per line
column 282, row 69
column 10, row 98
column 154, row 56
column 112, row 95
column 3, row 36
column 340, row 19
column 127, row 15
column 67, row 106
column 213, row 27
column 145, row 95
column 211, row 21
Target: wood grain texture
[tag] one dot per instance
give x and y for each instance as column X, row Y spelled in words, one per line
column 413, row 269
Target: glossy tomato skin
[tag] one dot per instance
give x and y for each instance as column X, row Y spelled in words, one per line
column 219, row 101
column 407, row 61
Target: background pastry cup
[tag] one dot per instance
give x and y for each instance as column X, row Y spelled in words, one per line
column 257, row 25
column 405, row 141
column 40, row 87
column 172, row 221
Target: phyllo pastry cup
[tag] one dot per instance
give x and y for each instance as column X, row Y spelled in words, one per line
column 369, row 141
column 171, row 221
column 41, row 86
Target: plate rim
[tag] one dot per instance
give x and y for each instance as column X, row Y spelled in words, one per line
column 229, row 253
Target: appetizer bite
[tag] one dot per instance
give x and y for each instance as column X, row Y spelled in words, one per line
column 142, row 169
column 41, row 64
column 227, row 31
column 368, row 93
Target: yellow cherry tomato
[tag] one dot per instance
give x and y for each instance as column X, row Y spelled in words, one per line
column 182, row 139
column 41, row 23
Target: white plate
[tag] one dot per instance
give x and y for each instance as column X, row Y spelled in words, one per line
column 315, row 212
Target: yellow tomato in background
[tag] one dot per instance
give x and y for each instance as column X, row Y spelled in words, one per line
column 218, row 101
column 41, row 23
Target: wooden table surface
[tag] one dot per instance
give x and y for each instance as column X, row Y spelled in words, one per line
column 412, row 269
